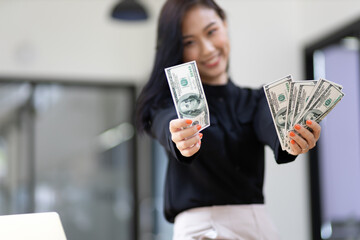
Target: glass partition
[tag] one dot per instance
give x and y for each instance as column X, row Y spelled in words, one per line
column 71, row 149
column 335, row 163
column 339, row 152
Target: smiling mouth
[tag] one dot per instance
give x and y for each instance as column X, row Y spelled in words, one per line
column 213, row 61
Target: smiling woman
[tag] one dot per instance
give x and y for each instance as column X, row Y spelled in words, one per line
column 214, row 180
column 205, row 40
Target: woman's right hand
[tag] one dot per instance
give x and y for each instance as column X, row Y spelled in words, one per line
column 186, row 137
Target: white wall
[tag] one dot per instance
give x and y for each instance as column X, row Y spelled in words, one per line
column 264, row 40
column 321, row 17
column 76, row 39
column 265, row 47
column 72, row 39
column 268, row 38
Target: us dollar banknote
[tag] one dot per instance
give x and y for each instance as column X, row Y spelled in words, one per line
column 303, row 92
column 305, row 100
column 277, row 94
column 322, row 105
column 188, row 93
column 293, row 98
column 294, row 86
column 321, row 86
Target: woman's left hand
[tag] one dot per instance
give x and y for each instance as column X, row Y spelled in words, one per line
column 302, row 140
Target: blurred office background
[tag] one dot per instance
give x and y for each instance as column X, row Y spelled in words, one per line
column 69, row 77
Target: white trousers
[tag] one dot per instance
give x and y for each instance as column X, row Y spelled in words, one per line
column 230, row 222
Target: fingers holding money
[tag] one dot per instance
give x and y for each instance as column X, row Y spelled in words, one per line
column 316, row 129
column 298, row 144
column 295, row 148
column 190, row 146
column 181, row 129
column 179, row 124
column 185, row 136
column 304, row 139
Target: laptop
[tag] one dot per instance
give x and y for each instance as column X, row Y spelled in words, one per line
column 37, row 226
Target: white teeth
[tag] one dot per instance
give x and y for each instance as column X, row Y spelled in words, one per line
column 213, row 60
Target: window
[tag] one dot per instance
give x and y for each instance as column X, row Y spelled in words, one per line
column 70, row 148
column 335, row 166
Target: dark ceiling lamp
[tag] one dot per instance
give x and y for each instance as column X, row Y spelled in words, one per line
column 129, row 10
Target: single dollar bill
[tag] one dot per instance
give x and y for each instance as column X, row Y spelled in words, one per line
column 322, row 105
column 340, row 87
column 188, row 93
column 296, row 88
column 277, row 94
column 303, row 91
column 321, row 86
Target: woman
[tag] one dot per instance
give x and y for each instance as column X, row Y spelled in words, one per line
column 214, row 179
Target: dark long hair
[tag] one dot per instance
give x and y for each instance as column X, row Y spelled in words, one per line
column 169, row 52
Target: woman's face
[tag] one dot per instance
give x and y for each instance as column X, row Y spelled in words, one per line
column 205, row 40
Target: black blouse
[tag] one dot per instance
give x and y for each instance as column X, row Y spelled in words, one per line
column 229, row 167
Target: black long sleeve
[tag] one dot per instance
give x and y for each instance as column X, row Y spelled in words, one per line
column 160, row 131
column 266, row 132
column 229, row 168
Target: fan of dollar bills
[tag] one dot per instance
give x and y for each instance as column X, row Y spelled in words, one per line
column 295, row 102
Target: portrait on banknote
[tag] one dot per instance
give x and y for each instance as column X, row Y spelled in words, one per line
column 312, row 114
column 280, row 117
column 191, row 105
